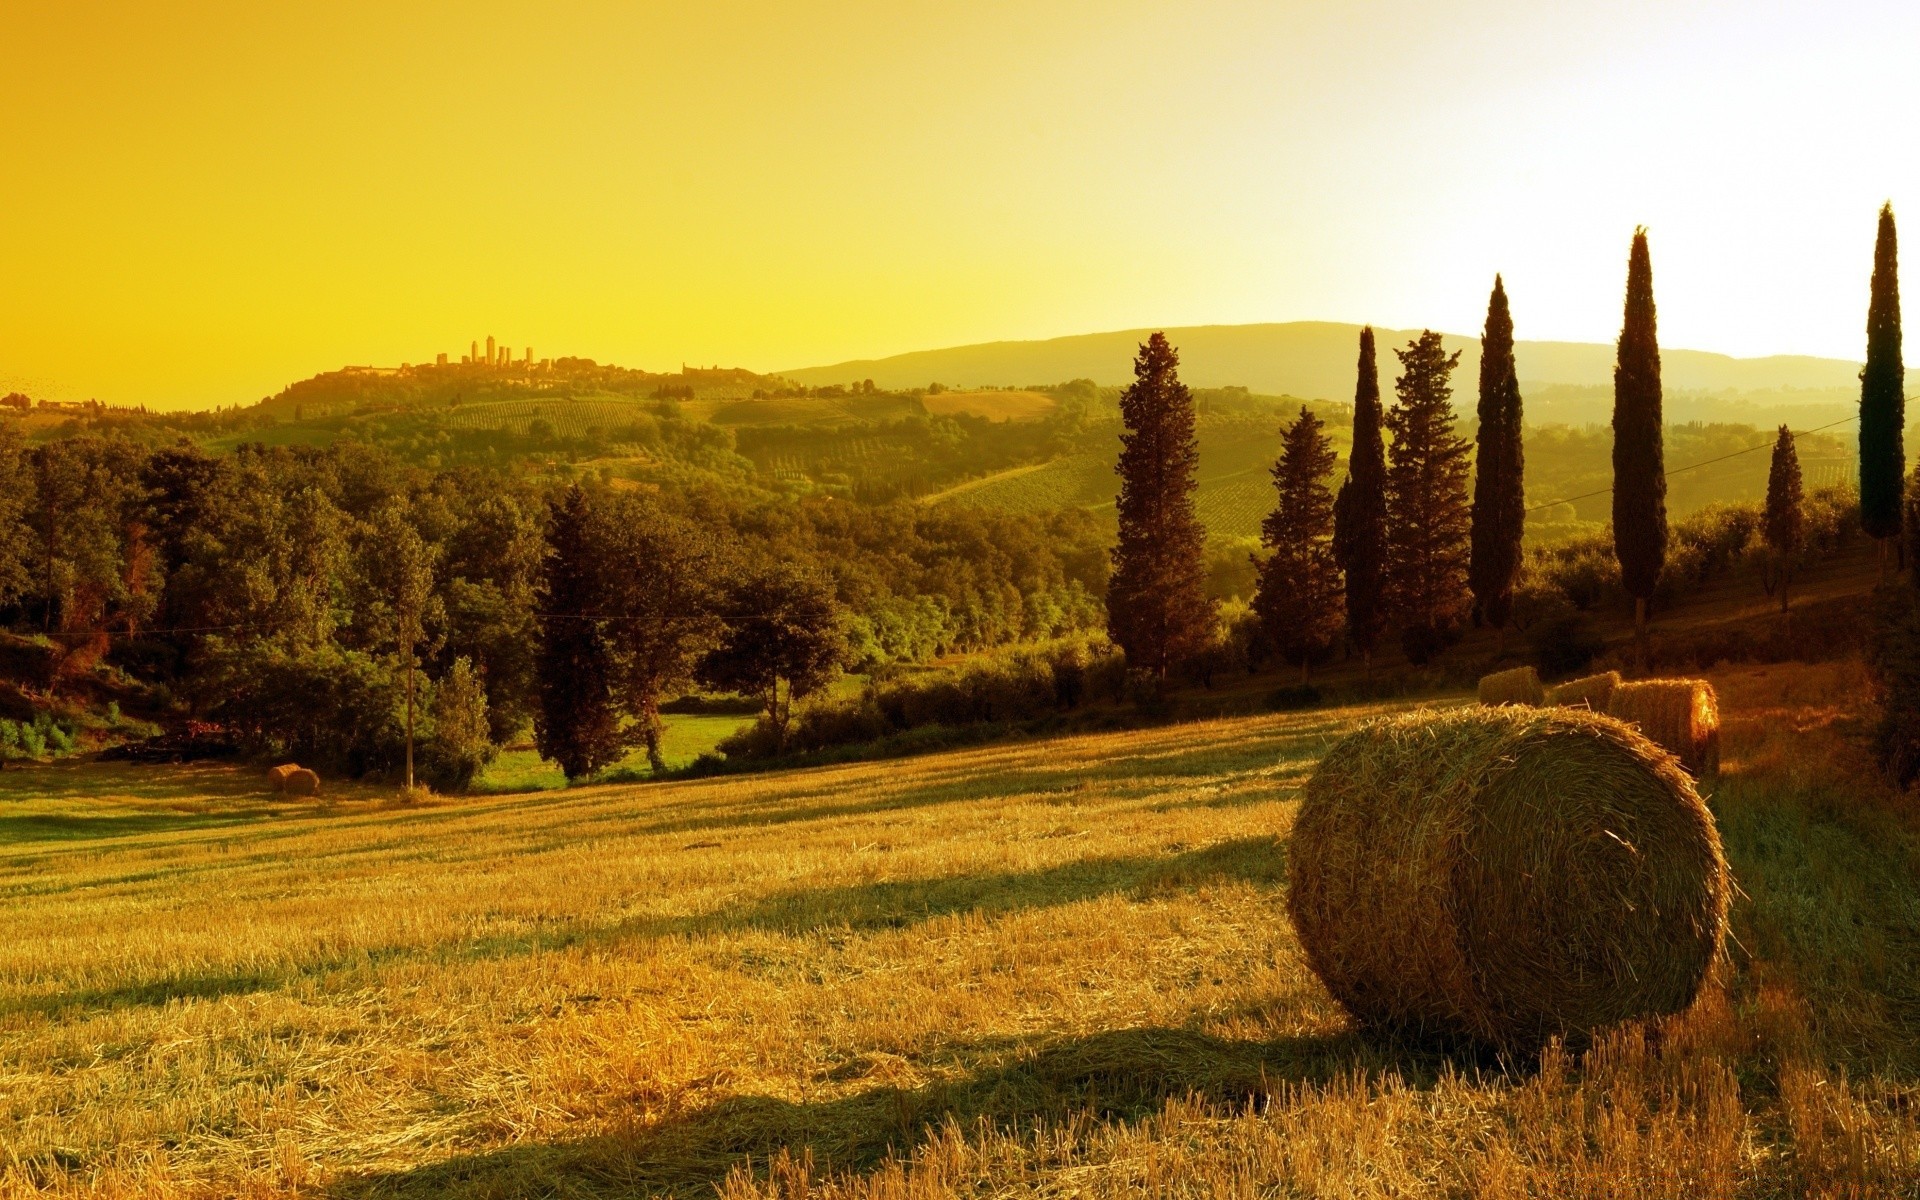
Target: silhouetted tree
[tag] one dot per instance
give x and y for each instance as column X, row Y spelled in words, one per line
column 1360, row 514
column 1298, row 595
column 781, row 624
column 1499, row 496
column 575, row 725
column 1429, row 520
column 660, row 574
column 1639, row 468
column 1786, row 519
column 1883, row 396
column 1157, row 605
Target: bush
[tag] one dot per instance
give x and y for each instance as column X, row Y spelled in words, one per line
column 341, row 710
column 1564, row 643
column 1022, row 684
column 460, row 744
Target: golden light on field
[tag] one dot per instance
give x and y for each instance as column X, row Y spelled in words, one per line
column 203, row 203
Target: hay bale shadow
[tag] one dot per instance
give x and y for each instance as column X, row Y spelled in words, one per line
column 1118, row 1075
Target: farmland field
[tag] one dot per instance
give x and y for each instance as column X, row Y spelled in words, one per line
column 1053, row 967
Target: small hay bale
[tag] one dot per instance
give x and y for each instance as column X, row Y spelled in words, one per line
column 1682, row 715
column 1505, row 876
column 302, row 782
column 1588, row 691
column 1518, row 686
column 277, row 776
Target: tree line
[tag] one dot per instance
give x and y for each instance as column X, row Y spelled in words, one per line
column 1424, row 535
column 343, row 607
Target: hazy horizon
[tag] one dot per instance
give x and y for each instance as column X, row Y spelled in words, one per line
column 206, row 210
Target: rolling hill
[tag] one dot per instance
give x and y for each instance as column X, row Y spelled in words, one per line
column 1315, row 359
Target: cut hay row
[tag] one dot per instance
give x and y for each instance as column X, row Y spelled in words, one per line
column 1505, row 875
column 1518, row 686
column 1588, row 691
column 1681, row 715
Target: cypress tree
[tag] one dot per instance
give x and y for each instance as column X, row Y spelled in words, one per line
column 1429, row 517
column 1786, row 519
column 576, row 725
column 1157, row 605
column 1639, row 468
column 1499, row 496
column 1882, row 396
column 1298, row 595
column 1359, row 512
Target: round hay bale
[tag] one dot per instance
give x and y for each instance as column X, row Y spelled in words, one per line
column 1588, row 691
column 302, row 782
column 277, row 776
column 1682, row 715
column 1505, row 875
column 1518, row 686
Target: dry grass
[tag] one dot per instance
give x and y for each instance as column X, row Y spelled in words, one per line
column 1046, row 968
column 1520, row 686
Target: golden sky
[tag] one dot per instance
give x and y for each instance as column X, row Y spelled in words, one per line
column 204, row 201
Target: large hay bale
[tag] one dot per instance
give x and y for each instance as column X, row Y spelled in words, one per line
column 277, row 776
column 1505, row 875
column 1588, row 691
column 1518, row 686
column 302, row 782
column 1682, row 715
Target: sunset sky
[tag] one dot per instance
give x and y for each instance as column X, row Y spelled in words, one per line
column 206, row 201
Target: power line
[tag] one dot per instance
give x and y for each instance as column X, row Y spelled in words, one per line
column 1694, row 466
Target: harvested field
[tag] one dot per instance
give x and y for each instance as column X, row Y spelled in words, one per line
column 1040, row 968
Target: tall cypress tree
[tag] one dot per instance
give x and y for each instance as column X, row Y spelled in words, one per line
column 1429, row 517
column 1499, row 496
column 1882, row 396
column 1639, row 464
column 576, row 724
column 1785, row 528
column 1360, row 514
column 1157, row 605
column 1298, row 595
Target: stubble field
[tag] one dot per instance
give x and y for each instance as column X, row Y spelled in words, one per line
column 1057, row 967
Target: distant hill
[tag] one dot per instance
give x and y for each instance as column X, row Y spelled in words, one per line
column 1316, row 359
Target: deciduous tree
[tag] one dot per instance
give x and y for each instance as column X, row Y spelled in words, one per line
column 576, row 725
column 780, row 625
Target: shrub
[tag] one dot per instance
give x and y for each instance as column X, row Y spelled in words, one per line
column 1564, row 642
column 460, row 745
column 1021, row 684
column 339, row 709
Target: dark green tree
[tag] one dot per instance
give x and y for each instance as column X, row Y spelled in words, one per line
column 1639, row 465
column 1360, row 514
column 1883, row 396
column 1785, row 528
column 780, row 625
column 400, row 567
column 575, row 725
column 16, row 493
column 1298, row 594
column 1157, row 605
column 660, row 572
column 1499, row 495
column 1429, row 518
